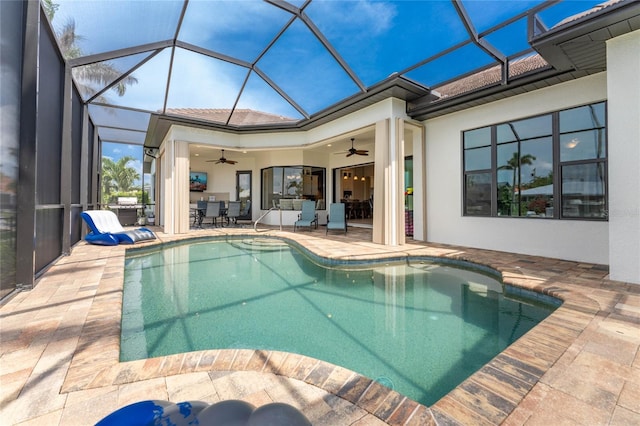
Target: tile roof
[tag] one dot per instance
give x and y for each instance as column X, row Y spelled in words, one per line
column 591, row 11
column 239, row 117
column 490, row 76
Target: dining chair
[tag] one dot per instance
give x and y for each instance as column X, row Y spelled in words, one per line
column 213, row 211
column 246, row 211
column 233, row 212
column 198, row 213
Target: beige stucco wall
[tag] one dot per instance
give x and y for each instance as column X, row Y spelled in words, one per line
column 586, row 241
column 623, row 79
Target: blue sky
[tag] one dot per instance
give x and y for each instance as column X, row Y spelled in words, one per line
column 375, row 39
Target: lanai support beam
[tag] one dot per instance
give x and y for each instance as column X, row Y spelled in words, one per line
column 388, row 199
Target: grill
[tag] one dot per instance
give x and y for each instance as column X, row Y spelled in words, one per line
column 127, row 209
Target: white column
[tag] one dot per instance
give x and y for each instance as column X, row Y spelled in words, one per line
column 396, row 156
column 168, row 194
column 380, row 179
column 419, row 182
column 623, row 93
column 181, row 187
column 388, row 197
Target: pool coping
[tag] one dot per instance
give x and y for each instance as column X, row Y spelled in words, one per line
column 489, row 396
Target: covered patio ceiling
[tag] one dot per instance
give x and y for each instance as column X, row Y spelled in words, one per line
column 259, row 65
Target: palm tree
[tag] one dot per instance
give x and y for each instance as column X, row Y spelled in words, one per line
column 118, row 176
column 50, row 8
column 514, row 163
column 101, row 73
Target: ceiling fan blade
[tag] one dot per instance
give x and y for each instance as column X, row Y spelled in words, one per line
column 362, row 151
column 231, row 161
column 350, row 154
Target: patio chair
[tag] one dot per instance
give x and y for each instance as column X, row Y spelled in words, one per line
column 307, row 216
column 105, row 229
column 233, row 212
column 213, row 212
column 246, row 211
column 198, row 212
column 336, row 218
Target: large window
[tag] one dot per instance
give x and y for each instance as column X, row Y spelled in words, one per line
column 292, row 183
column 521, row 168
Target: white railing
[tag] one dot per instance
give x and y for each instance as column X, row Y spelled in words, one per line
column 255, row 225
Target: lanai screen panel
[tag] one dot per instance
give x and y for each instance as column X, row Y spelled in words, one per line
column 241, row 63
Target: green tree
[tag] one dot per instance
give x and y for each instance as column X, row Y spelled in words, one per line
column 50, row 8
column 87, row 77
column 515, row 163
column 118, row 177
column 537, row 181
column 97, row 74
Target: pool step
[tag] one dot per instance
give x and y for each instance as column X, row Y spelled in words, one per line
column 262, row 244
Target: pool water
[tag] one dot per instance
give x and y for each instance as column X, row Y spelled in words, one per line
column 419, row 328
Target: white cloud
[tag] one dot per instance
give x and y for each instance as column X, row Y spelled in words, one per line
column 203, row 22
column 362, row 18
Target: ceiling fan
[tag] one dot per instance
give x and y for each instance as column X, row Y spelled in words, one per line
column 352, row 150
column 222, row 160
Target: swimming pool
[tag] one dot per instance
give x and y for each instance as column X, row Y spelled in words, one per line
column 418, row 327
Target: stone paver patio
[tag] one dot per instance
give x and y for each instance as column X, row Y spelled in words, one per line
column 59, row 348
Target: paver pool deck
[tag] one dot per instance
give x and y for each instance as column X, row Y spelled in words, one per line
column 59, row 349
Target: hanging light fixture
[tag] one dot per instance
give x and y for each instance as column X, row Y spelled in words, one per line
column 345, row 176
column 572, row 143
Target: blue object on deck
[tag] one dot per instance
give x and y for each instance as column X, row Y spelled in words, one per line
column 308, row 215
column 337, row 218
column 105, row 229
column 223, row 413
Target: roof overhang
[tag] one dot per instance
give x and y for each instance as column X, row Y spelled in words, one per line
column 573, row 49
column 393, row 87
column 579, row 43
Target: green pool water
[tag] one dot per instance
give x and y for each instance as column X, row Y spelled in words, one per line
column 420, row 328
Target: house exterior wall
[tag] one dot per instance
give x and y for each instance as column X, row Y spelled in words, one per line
column 287, row 148
column 623, row 65
column 586, row 241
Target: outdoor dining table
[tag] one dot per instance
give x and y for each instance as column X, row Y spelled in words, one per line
column 200, row 212
column 198, row 215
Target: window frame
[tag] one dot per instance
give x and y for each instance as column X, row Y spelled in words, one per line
column 306, row 170
column 557, row 166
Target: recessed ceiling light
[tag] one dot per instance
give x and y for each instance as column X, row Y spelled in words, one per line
column 196, row 154
column 329, row 145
